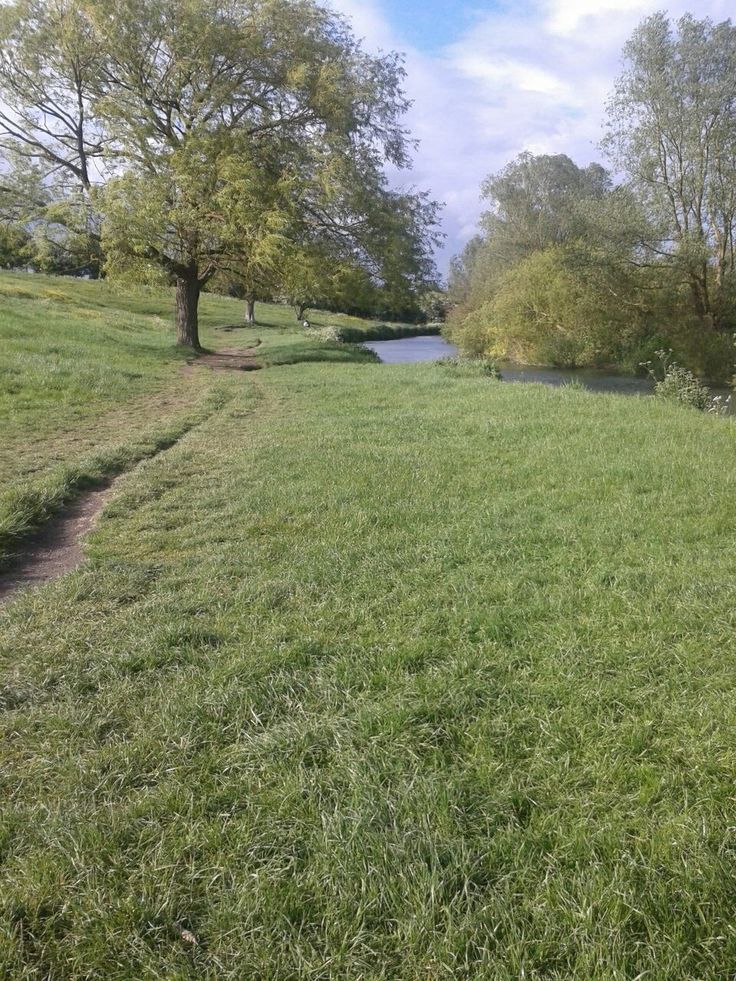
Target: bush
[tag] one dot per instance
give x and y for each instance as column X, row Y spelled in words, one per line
column 386, row 332
column 485, row 367
column 678, row 384
column 545, row 309
column 330, row 333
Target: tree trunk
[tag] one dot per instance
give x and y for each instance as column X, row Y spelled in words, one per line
column 701, row 297
column 250, row 311
column 187, row 320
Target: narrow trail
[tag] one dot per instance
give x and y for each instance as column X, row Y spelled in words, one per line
column 57, row 547
column 227, row 359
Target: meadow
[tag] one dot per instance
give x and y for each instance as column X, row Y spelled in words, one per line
column 90, row 382
column 372, row 672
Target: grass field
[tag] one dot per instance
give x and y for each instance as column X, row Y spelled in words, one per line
column 378, row 672
column 90, row 382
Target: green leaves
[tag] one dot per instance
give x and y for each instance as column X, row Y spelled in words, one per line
column 569, row 267
column 672, row 129
column 225, row 137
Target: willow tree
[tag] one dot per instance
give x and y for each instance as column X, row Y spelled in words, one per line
column 190, row 83
column 536, row 202
column 256, row 198
column 672, row 131
column 49, row 71
column 179, row 87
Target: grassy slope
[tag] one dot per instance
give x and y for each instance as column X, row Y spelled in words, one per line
column 383, row 672
column 90, row 382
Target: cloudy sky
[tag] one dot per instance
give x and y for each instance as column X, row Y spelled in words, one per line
column 490, row 79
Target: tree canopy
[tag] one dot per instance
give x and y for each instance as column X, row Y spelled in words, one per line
column 571, row 268
column 209, row 137
column 672, row 129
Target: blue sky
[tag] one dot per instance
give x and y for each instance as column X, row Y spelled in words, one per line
column 429, row 24
column 490, row 79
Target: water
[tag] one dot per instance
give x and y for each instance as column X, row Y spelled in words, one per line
column 408, row 349
column 426, row 348
column 595, row 379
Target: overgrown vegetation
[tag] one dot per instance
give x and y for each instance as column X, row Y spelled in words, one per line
column 484, row 367
column 678, row 384
column 366, row 331
column 572, row 270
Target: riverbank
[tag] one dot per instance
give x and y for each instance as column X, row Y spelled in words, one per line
column 429, row 348
column 369, row 331
column 384, row 673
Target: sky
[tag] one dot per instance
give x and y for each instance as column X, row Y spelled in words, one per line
column 491, row 79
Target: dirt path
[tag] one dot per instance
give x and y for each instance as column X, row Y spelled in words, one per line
column 226, row 359
column 57, row 547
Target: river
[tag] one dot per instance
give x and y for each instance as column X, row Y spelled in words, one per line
column 426, row 348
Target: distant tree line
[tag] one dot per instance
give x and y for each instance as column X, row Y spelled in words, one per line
column 573, row 268
column 231, row 144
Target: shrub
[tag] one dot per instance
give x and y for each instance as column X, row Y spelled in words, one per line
column 678, row 384
column 330, row 333
column 485, row 367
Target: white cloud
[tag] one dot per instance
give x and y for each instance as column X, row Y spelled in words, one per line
column 528, row 76
column 369, row 21
column 568, row 17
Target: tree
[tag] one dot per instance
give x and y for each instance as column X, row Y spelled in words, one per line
column 323, row 228
column 307, row 278
column 259, row 197
column 49, row 72
column 402, row 238
column 22, row 194
column 48, row 219
column 180, row 94
column 199, row 84
column 535, row 203
column 672, row 130
column 462, row 267
column 556, row 306
column 51, row 142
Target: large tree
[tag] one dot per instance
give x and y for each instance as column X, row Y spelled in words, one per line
column 179, row 94
column 316, row 220
column 190, row 85
column 672, row 131
column 535, row 203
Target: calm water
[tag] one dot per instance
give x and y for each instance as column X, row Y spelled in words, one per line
column 410, row 349
column 407, row 349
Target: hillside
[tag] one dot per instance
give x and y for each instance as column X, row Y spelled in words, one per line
column 90, row 381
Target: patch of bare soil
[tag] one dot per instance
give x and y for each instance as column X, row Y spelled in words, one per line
column 228, row 359
column 57, row 548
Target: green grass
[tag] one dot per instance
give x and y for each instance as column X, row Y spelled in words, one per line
column 385, row 672
column 91, row 382
column 367, row 331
